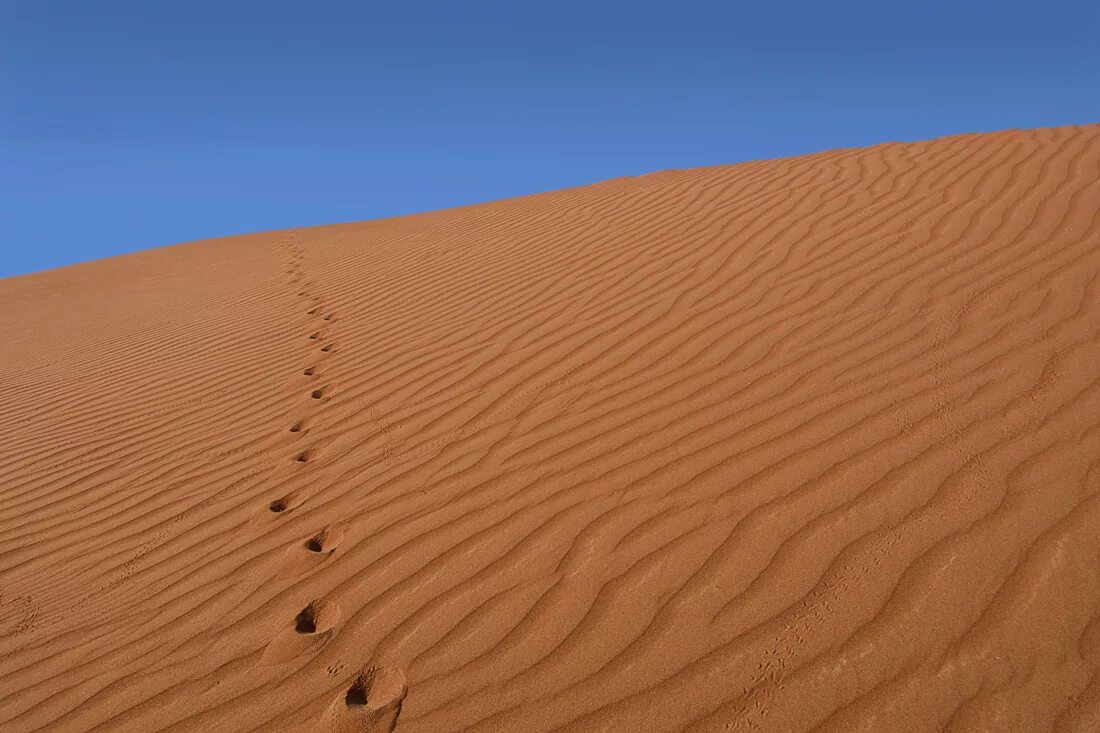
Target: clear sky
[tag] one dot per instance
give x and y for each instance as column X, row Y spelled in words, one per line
column 130, row 125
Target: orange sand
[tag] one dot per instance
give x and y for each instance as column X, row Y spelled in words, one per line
column 795, row 444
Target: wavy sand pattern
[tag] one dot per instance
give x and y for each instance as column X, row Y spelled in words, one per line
column 797, row 444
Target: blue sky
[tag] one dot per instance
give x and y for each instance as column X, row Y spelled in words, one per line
column 131, row 125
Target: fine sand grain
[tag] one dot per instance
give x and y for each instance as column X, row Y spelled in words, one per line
column 795, row 444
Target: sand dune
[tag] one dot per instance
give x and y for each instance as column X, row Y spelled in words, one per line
column 796, row 444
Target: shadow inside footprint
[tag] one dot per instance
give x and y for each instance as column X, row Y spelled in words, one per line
column 306, row 622
column 317, row 617
column 326, row 540
column 281, row 505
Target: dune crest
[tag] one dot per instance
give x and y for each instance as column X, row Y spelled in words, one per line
column 810, row 443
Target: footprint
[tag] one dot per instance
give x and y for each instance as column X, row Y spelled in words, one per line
column 305, row 555
column 301, row 426
column 306, row 456
column 326, row 540
column 310, row 371
column 371, row 704
column 315, row 335
column 305, row 634
column 21, row 615
column 317, row 617
column 321, row 392
column 330, row 317
column 285, row 504
column 328, row 348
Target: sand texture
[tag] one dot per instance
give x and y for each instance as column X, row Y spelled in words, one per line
column 797, row 444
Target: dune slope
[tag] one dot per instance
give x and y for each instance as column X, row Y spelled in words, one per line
column 787, row 445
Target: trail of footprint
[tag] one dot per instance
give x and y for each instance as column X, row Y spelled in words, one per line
column 301, row 426
column 374, row 699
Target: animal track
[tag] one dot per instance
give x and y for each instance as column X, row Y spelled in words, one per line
column 320, row 392
column 24, row 611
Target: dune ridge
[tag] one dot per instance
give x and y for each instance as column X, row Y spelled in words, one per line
column 798, row 444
